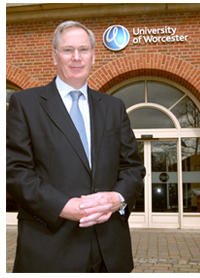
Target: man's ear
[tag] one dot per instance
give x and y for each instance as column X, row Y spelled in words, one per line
column 93, row 59
column 54, row 57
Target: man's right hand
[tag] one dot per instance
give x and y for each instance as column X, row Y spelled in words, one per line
column 91, row 209
column 72, row 210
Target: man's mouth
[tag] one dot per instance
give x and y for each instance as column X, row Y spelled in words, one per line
column 77, row 67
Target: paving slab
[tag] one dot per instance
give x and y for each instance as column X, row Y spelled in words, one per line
column 154, row 250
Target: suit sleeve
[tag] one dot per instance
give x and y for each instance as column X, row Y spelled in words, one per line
column 39, row 198
column 131, row 169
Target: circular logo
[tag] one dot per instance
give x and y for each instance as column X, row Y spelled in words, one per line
column 116, row 37
column 164, row 177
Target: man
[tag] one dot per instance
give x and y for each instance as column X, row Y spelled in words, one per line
column 75, row 191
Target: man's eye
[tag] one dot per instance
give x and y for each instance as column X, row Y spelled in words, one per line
column 84, row 49
column 68, row 50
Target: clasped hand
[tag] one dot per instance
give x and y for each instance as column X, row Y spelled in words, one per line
column 92, row 209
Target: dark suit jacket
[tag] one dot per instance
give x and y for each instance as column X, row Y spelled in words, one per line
column 46, row 166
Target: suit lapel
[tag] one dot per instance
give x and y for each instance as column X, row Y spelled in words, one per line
column 54, row 107
column 97, row 116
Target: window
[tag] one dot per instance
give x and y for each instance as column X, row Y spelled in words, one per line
column 149, row 118
column 10, row 89
column 168, row 112
column 191, row 174
column 169, row 97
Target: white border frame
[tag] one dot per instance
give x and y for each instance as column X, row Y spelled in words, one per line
column 180, row 219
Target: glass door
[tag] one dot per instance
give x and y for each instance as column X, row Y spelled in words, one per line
column 157, row 204
column 164, row 185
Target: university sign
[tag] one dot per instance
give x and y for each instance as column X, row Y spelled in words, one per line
column 116, row 37
column 165, row 34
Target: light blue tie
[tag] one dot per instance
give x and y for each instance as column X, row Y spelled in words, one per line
column 78, row 121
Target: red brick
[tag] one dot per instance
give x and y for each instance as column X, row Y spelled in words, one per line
column 30, row 63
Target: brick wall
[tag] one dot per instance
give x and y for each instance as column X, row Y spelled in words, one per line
column 29, row 61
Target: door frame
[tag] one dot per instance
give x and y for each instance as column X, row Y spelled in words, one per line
column 168, row 220
column 149, row 219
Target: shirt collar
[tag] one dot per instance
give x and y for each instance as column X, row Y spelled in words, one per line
column 64, row 89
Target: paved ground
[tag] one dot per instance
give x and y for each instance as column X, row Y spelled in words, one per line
column 154, row 250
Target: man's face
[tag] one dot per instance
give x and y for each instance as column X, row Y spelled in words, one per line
column 74, row 56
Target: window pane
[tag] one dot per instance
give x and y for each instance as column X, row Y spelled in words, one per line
column 162, row 94
column 164, row 177
column 191, row 174
column 187, row 113
column 132, row 95
column 149, row 118
column 9, row 92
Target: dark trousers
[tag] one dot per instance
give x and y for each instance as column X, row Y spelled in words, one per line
column 96, row 263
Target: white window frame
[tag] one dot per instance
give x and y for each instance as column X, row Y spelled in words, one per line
column 175, row 220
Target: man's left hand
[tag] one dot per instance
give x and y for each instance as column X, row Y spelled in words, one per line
column 99, row 207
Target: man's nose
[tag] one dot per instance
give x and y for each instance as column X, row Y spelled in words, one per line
column 76, row 54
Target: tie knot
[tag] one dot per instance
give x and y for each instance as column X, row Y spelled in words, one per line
column 75, row 95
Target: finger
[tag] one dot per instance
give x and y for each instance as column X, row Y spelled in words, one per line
column 87, row 224
column 91, row 217
column 101, row 219
column 104, row 218
column 98, row 209
column 89, row 203
column 92, row 196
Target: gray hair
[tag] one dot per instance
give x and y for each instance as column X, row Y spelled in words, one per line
column 69, row 24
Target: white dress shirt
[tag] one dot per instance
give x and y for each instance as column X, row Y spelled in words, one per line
column 64, row 90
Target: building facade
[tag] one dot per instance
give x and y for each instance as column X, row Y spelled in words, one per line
column 149, row 56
